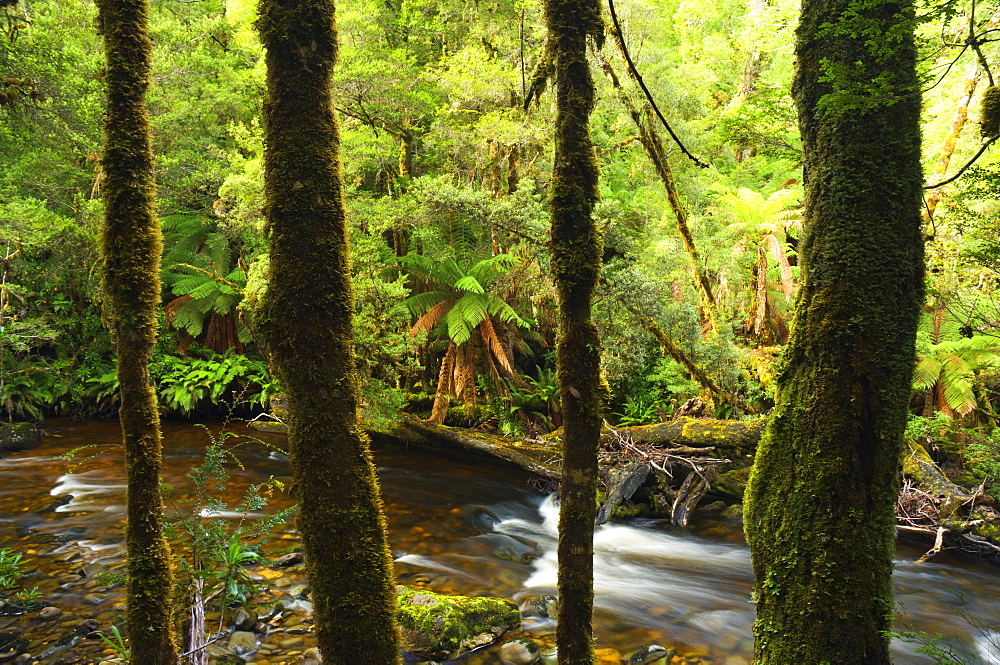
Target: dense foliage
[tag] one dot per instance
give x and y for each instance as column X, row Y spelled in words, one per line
column 447, row 162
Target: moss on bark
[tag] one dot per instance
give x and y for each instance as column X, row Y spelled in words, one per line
column 306, row 319
column 820, row 502
column 576, row 261
column 131, row 246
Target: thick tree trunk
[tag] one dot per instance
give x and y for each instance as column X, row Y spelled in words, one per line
column 131, row 245
column 576, row 261
column 306, row 318
column 820, row 503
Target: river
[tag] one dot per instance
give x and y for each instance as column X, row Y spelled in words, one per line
column 457, row 525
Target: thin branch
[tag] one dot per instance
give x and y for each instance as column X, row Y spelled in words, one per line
column 620, row 38
column 964, row 168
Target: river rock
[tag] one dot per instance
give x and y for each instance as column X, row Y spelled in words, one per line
column 230, row 659
column 290, row 559
column 539, row 606
column 650, row 654
column 519, row 652
column 312, row 655
column 734, row 512
column 16, row 437
column 442, row 627
column 242, row 641
column 50, row 612
column 244, row 620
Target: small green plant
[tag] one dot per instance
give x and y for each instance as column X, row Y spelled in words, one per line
column 183, row 384
column 117, row 642
column 214, row 550
column 639, row 410
column 11, row 571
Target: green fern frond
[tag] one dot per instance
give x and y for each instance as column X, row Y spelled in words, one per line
column 926, row 374
column 470, row 284
column 422, row 303
column 504, row 312
column 957, row 381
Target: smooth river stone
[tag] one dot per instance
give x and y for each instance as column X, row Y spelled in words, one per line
column 50, row 612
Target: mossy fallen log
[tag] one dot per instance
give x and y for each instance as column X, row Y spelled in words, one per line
column 542, row 457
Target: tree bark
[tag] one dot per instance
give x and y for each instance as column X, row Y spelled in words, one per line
column 306, row 319
column 820, row 503
column 131, row 245
column 576, row 261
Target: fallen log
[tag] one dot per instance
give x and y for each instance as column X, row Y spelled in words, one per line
column 541, row 457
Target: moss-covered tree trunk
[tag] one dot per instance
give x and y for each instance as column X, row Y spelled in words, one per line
column 576, row 258
column 306, row 319
column 131, row 245
column 820, row 504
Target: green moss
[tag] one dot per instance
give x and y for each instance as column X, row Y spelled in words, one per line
column 442, row 626
column 989, row 112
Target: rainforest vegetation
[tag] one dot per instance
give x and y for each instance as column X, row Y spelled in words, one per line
column 446, row 151
column 481, row 237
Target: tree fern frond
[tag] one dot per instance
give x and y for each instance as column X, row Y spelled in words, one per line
column 207, row 289
column 421, row 303
column 217, row 251
column 957, row 380
column 470, row 284
column 487, row 270
column 926, row 373
column 428, row 268
column 504, row 312
column 464, row 316
column 431, row 317
column 497, row 350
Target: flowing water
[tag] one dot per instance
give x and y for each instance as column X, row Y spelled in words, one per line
column 457, row 525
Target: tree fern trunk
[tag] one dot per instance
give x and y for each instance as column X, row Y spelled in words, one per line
column 131, row 245
column 820, row 503
column 306, row 319
column 576, row 260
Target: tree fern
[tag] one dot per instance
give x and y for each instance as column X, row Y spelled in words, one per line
column 954, row 364
column 466, row 303
column 198, row 269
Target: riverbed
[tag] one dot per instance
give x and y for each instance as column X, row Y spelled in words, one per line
column 457, row 524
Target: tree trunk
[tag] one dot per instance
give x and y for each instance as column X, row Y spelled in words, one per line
column 820, row 503
column 576, row 262
column 131, row 245
column 306, row 319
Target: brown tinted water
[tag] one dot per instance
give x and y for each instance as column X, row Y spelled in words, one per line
column 457, row 524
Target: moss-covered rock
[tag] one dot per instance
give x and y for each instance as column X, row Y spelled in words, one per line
column 442, row 627
column 19, row 436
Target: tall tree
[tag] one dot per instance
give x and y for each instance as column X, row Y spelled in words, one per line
column 820, row 504
column 306, row 320
column 576, row 260
column 131, row 244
